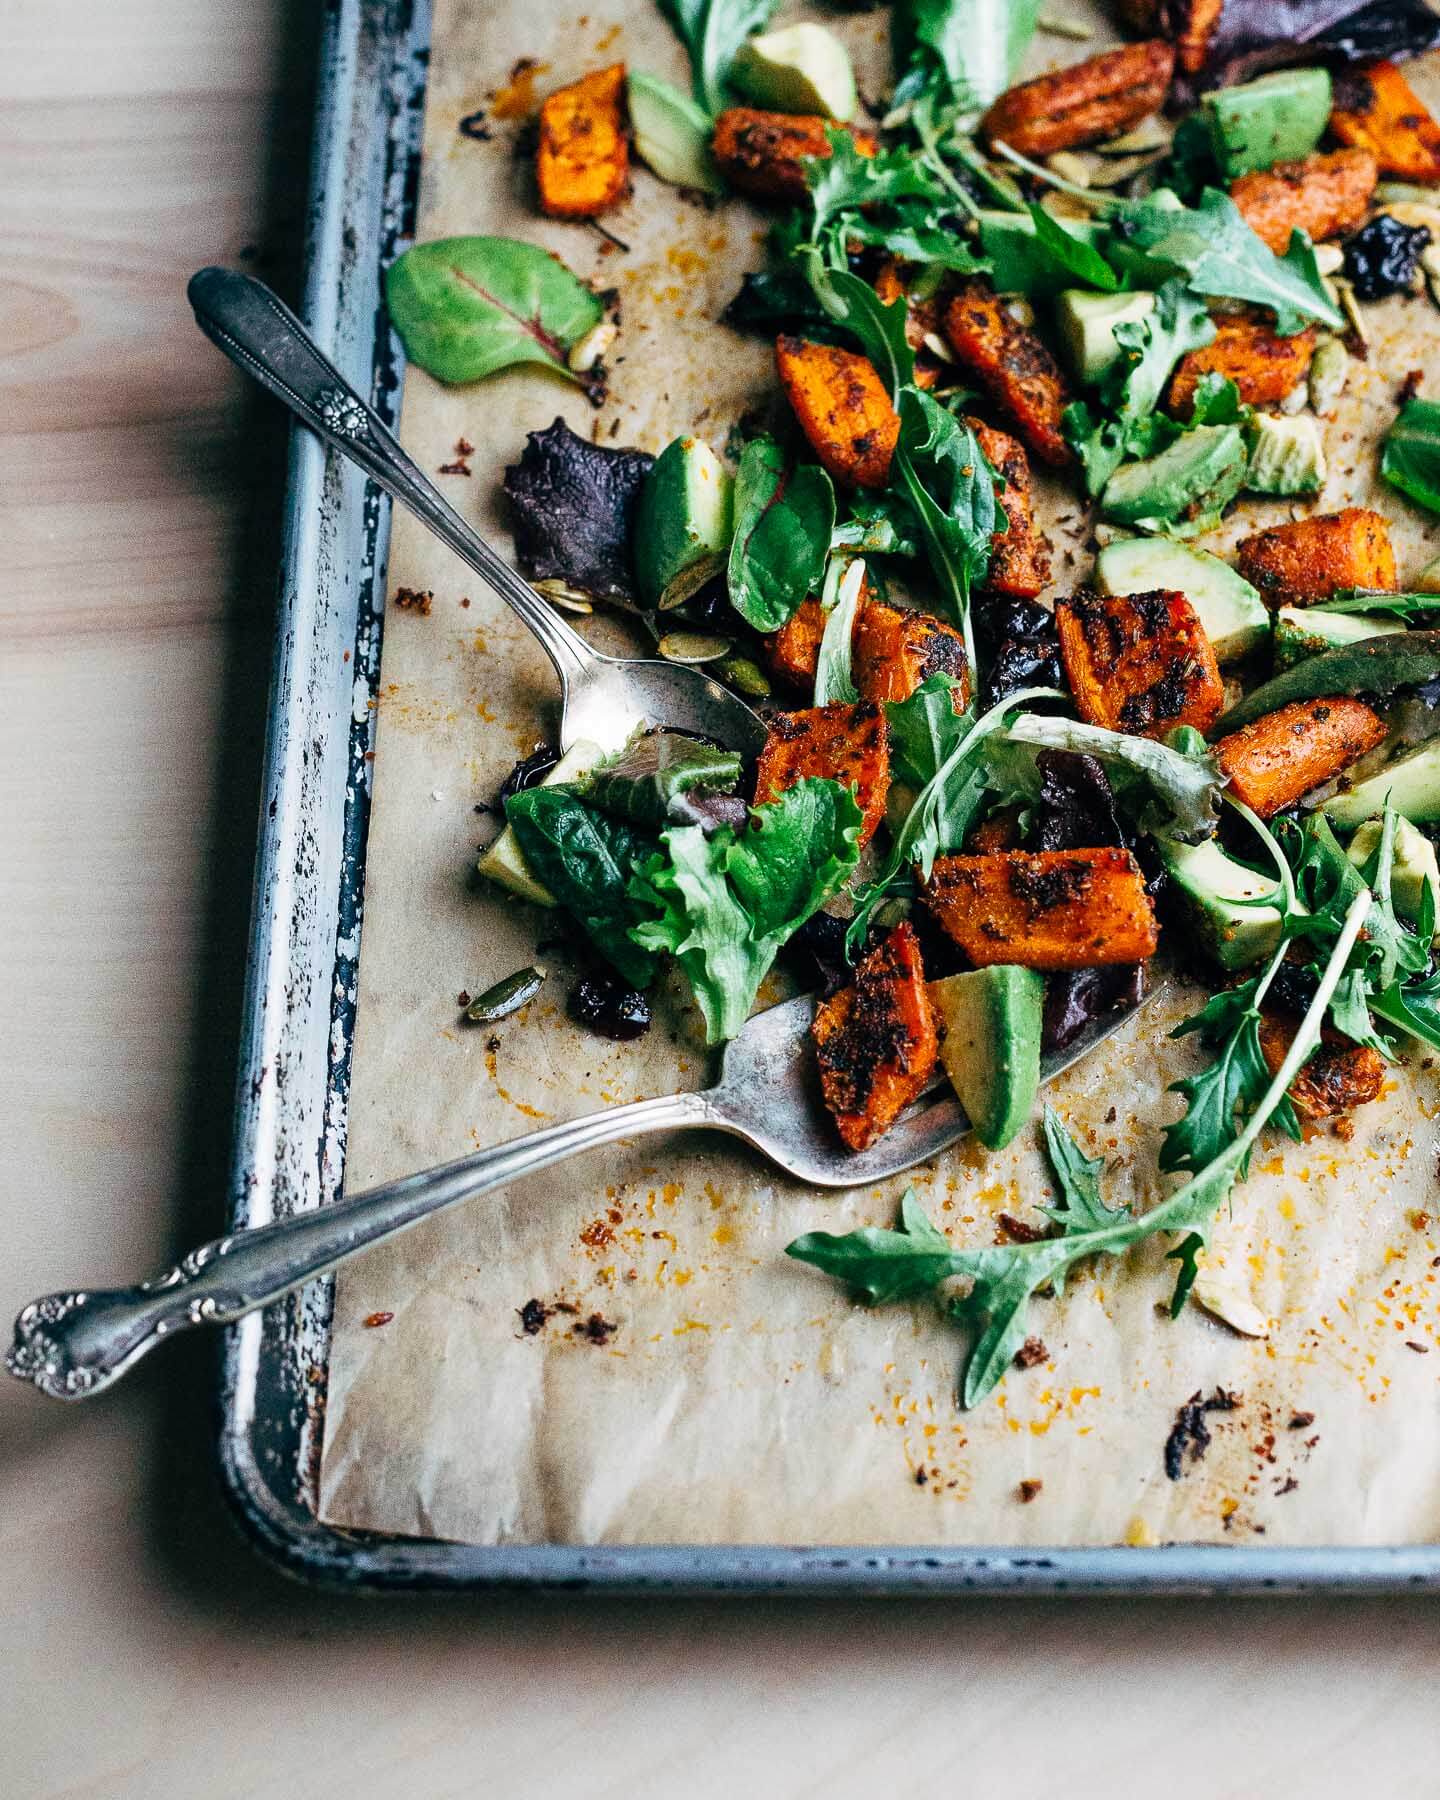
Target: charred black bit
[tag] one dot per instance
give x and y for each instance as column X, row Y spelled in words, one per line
column 1301, row 1421
column 606, row 1006
column 1029, row 1489
column 1294, row 986
column 819, row 946
column 533, row 1315
column 1020, row 646
column 1031, row 1353
column 1076, row 999
column 1382, row 256
column 597, row 1329
column 529, row 772
column 1076, row 809
column 1189, row 1437
column 473, row 126
column 571, row 505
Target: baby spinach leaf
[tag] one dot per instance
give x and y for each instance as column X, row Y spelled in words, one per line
column 723, row 905
column 783, row 526
column 712, row 31
column 978, row 44
column 1411, row 458
column 587, row 861
column 882, row 1265
column 1071, row 258
column 466, row 307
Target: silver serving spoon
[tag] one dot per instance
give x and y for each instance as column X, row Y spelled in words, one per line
column 603, row 697
column 72, row 1345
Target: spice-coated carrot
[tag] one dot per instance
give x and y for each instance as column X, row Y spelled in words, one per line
column 1012, row 365
column 843, row 409
column 582, row 164
column 875, row 1040
column 848, row 744
column 1281, row 756
column 1312, row 559
column 1323, row 195
column 1051, row 909
column 763, row 153
column 1376, row 109
column 1139, row 662
column 1089, row 101
column 1248, row 351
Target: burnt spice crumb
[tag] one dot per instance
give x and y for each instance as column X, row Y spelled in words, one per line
column 1031, row 1353
column 1190, row 1435
column 533, row 1315
column 1301, row 1421
column 922, row 1477
column 596, row 1329
column 1028, row 1490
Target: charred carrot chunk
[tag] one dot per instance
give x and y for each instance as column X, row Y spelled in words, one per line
column 847, row 744
column 1049, row 909
column 1019, row 555
column 1275, row 760
column 1089, row 101
column 1012, row 365
column 876, row 1041
column 793, row 652
column 1336, row 1077
column 842, row 407
column 1376, row 109
column 763, row 153
column 1001, row 831
column 1188, row 24
column 1139, row 662
column 1324, row 195
column 1263, row 365
column 583, row 162
column 896, row 648
column 1312, row 559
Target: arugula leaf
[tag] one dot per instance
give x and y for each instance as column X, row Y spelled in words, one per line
column 847, row 182
column 1414, row 1007
column 1222, row 1096
column 844, row 586
column 1134, row 384
column 782, row 534
column 1072, row 256
column 941, row 469
column 1376, row 600
column 878, row 328
column 1171, row 790
column 712, row 31
column 723, row 905
column 1350, row 1014
column 1079, row 1178
column 977, row 44
column 882, row 1265
column 645, row 782
column 1219, row 254
column 918, row 234
column 1411, row 457
column 587, row 860
column 465, row 307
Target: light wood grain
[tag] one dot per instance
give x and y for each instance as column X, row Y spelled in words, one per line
column 145, row 1650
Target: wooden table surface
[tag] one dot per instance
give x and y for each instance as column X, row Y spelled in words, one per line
column 146, row 1650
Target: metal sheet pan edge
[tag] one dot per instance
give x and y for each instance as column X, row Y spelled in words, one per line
column 304, row 947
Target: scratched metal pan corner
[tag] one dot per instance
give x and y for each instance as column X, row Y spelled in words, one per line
column 305, row 944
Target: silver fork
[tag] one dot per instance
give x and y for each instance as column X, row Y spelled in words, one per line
column 603, row 698
column 72, row 1345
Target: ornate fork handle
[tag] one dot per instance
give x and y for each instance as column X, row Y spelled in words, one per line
column 72, row 1345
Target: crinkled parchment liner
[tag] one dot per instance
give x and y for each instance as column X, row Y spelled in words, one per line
column 741, row 1397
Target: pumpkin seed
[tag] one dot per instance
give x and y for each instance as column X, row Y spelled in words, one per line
column 745, row 675
column 1069, row 167
column 1149, row 134
column 1329, row 259
column 506, row 996
column 1428, row 580
column 1350, row 306
column 1075, row 29
column 937, row 347
column 566, row 598
column 693, row 647
column 1228, row 1302
column 1124, row 168
column 586, row 351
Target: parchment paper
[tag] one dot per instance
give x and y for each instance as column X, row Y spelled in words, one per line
column 741, row 1397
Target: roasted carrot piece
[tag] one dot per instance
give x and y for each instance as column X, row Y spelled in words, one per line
column 1139, row 662
column 1012, row 365
column 763, row 153
column 1324, row 194
column 1272, row 762
column 895, row 648
column 583, row 162
column 848, row 744
column 1312, row 559
column 1376, row 109
column 842, row 407
column 1263, row 365
column 1049, row 909
column 1019, row 555
column 1188, row 24
column 1089, row 101
column 1001, row 831
column 1339, row 1075
column 876, row 1041
column 793, row 652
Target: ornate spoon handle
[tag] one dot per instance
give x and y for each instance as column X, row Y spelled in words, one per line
column 260, row 334
column 72, row 1345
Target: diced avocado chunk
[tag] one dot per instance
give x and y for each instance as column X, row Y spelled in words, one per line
column 1415, row 866
column 798, row 69
column 672, row 133
column 1411, row 784
column 1200, row 474
column 1211, row 887
column 1231, row 611
column 682, row 522
column 1019, row 265
column 1277, row 118
column 1287, row 455
column 1086, row 323
column 991, row 1047
column 505, row 861
column 1302, row 631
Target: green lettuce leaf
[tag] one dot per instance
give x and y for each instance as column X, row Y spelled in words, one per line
column 783, row 527
column 1411, row 458
column 644, row 783
column 723, row 905
column 1171, row 790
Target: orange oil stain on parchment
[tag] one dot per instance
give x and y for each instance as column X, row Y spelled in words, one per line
column 516, row 100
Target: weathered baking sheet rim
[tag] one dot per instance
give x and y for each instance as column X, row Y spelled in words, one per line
column 299, row 1006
